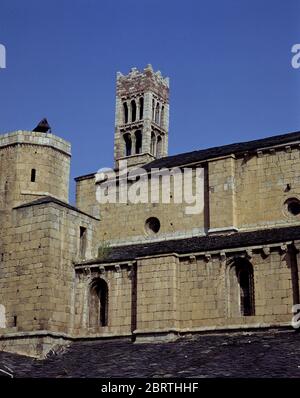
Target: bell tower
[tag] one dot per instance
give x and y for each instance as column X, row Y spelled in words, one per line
column 142, row 117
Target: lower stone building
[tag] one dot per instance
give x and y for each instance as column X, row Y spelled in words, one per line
column 151, row 266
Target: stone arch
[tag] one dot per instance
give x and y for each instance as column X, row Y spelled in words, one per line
column 125, row 109
column 153, row 108
column 162, row 116
column 98, row 303
column 141, row 104
column 157, row 113
column 128, row 144
column 133, row 111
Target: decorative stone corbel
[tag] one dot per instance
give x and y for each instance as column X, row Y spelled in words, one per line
column 130, row 270
column 207, row 257
column 266, row 251
column 283, row 248
column 259, row 154
column 249, row 253
column 288, row 148
column 283, row 251
column 223, row 256
column 88, row 273
column 101, row 269
column 192, row 259
column 117, row 268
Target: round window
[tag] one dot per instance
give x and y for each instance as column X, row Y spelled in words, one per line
column 152, row 225
column 292, row 206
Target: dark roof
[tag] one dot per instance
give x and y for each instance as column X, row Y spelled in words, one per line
column 201, row 244
column 262, row 354
column 51, row 199
column 85, row 177
column 237, row 148
column 215, row 152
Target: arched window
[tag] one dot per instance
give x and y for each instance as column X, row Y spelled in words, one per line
column 162, row 115
column 141, row 108
column 83, row 241
column 159, row 147
column 157, row 114
column 152, row 148
column 241, row 288
column 133, row 111
column 138, row 142
column 98, row 303
column 153, row 108
column 245, row 278
column 125, row 112
column 128, row 144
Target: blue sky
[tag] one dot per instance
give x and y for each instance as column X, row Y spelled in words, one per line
column 229, row 63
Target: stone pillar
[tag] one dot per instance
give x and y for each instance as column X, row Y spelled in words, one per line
column 222, row 204
column 133, row 142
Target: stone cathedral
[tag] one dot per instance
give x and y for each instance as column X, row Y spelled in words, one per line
column 145, row 271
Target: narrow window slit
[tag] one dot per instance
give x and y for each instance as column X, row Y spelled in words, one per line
column 33, row 175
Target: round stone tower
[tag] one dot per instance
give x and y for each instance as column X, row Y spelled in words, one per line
column 33, row 164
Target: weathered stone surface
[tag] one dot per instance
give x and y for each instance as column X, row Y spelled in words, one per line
column 98, row 270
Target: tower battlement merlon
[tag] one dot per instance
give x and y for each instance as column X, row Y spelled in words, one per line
column 147, row 79
column 35, row 138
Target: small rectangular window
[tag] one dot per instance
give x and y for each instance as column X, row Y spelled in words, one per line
column 82, row 247
column 15, row 321
column 33, row 175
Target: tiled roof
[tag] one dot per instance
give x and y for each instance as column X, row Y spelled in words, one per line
column 215, row 152
column 201, row 244
column 205, row 154
column 265, row 354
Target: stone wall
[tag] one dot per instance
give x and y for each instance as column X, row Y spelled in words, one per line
column 240, row 194
column 122, row 223
column 249, row 192
column 171, row 294
column 210, row 297
column 121, row 307
column 36, row 273
column 22, row 151
column 86, row 195
column 157, row 294
column 262, row 188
